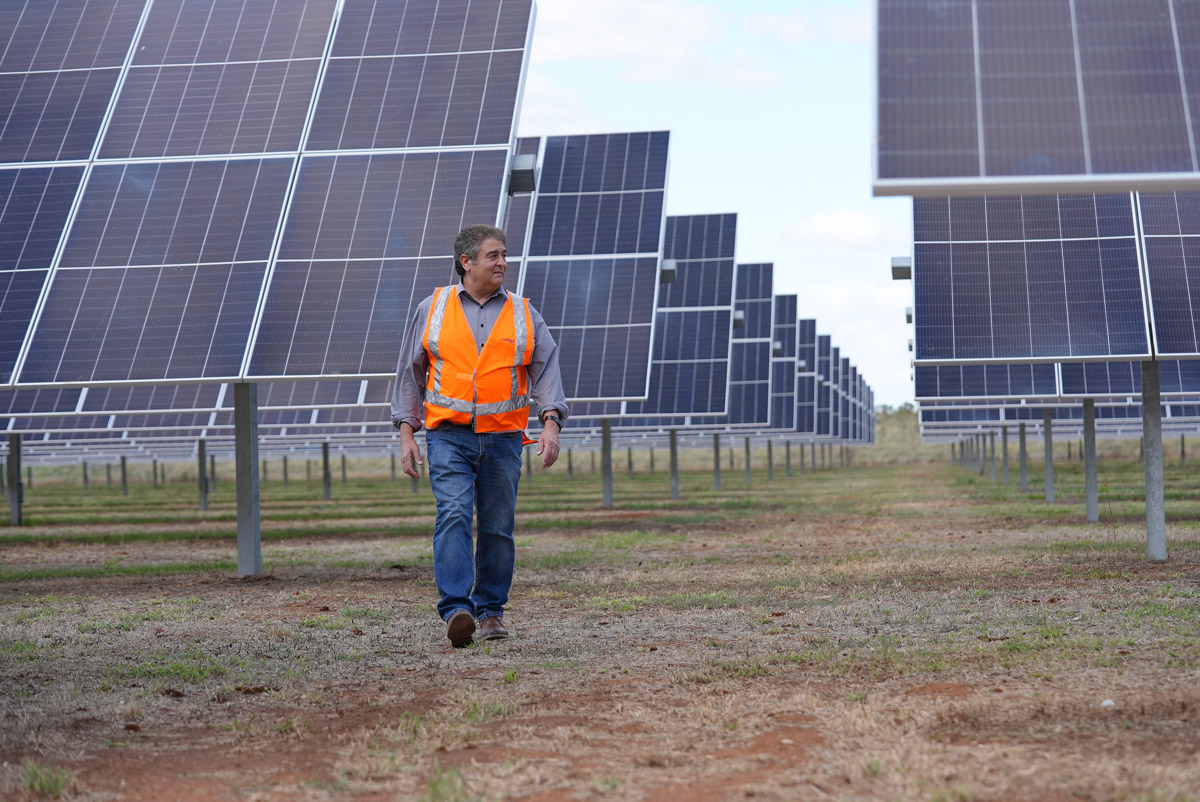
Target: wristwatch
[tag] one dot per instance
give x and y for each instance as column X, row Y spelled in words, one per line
column 555, row 418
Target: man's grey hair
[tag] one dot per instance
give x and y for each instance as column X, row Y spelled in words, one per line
column 469, row 240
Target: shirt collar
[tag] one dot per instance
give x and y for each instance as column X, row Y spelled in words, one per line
column 499, row 293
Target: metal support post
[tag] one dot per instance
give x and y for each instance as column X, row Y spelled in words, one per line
column 812, row 456
column 201, row 474
column 124, row 477
column 1048, row 451
column 108, row 474
column 1156, row 522
column 629, row 460
column 716, row 462
column 1004, row 452
column 981, row 444
column 747, row 462
column 1182, row 450
column 245, row 447
column 393, row 467
column 1090, row 482
column 344, row 480
column 787, row 457
column 85, row 476
column 953, row 455
column 262, row 473
column 308, row 469
column 154, row 472
column 570, row 466
column 674, row 460
column 992, row 452
column 1022, row 459
column 326, row 475
column 770, row 463
column 16, row 493
column 212, row 472
column 651, row 460
column 285, row 476
column 606, row 466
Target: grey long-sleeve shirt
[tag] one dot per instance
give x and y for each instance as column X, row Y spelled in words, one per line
column 545, row 381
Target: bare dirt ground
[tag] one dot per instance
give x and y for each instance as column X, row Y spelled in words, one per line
column 872, row 634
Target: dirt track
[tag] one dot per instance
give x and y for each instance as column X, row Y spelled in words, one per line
column 838, row 638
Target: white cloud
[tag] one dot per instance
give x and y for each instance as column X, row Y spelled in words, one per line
column 851, row 228
column 646, row 41
column 651, row 38
column 839, row 23
column 549, row 108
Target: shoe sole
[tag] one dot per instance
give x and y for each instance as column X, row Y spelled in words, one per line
column 460, row 629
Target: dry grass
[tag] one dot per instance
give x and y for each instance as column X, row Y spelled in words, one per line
column 878, row 634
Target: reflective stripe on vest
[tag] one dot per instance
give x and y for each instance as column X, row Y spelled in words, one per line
column 434, row 395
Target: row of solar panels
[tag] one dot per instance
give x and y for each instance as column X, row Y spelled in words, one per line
column 219, row 190
column 989, row 112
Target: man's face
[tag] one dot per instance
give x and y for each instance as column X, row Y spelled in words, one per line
column 489, row 266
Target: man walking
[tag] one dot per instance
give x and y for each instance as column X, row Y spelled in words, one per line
column 474, row 358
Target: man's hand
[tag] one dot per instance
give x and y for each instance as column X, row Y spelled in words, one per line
column 547, row 444
column 410, row 455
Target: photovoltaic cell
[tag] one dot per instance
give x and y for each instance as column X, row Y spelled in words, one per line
column 592, row 263
column 1027, row 278
column 971, row 93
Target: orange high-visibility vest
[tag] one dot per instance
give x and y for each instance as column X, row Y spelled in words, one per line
column 489, row 388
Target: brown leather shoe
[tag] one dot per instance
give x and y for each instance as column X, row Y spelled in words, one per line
column 492, row 628
column 460, row 628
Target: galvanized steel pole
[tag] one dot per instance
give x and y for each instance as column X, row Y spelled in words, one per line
column 1156, row 522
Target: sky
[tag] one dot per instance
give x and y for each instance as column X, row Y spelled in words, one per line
column 770, row 105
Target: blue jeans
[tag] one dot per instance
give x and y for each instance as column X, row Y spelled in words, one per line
column 470, row 472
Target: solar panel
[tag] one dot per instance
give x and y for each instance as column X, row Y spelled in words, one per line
column 783, row 364
column 808, row 367
column 1008, row 96
column 161, row 272
column 1171, row 230
column 690, row 373
column 365, row 241
column 213, row 117
column 988, row 381
column 750, row 351
column 1098, row 379
column 1027, row 278
column 591, row 259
